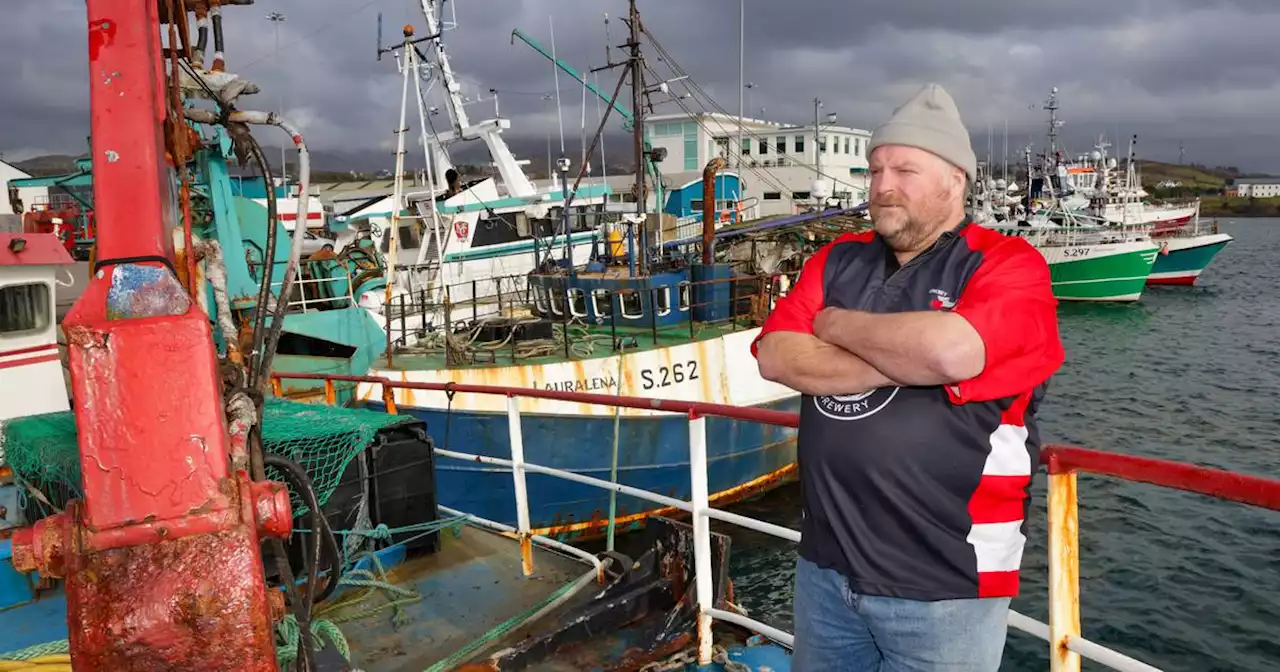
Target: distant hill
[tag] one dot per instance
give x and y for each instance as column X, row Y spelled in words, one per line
column 52, row 164
column 1194, row 179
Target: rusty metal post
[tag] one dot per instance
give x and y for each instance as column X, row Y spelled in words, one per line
column 277, row 386
column 389, row 398
column 522, row 494
column 330, row 393
column 709, row 206
column 1064, row 570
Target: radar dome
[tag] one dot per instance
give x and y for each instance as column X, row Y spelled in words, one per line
column 1096, row 155
column 820, row 190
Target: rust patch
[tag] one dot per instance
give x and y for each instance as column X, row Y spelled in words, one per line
column 634, row 660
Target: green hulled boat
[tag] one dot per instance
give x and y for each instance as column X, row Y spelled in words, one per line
column 1092, row 264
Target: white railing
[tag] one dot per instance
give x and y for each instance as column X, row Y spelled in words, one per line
column 303, row 285
column 1067, row 646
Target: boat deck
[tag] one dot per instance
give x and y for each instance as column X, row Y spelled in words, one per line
column 471, row 585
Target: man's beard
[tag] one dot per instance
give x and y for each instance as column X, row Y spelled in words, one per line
column 908, row 229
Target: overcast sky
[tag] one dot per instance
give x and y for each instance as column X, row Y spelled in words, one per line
column 1205, row 73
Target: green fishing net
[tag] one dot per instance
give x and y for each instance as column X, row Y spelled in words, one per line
column 42, row 449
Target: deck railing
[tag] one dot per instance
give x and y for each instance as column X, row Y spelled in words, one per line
column 1066, row 644
column 629, row 315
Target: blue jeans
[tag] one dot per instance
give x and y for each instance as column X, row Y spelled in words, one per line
column 837, row 629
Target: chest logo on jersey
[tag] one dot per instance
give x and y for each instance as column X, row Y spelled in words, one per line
column 855, row 406
column 941, row 300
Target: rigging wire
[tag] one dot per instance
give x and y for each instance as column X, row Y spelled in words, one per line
column 695, row 90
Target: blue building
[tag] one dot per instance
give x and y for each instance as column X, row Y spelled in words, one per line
column 684, row 194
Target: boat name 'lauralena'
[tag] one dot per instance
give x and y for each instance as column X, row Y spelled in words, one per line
column 583, row 385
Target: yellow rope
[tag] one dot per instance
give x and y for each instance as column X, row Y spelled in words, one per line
column 56, row 663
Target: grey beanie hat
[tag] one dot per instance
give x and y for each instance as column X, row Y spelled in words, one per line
column 930, row 121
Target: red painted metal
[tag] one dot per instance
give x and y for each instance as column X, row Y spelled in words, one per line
column 131, row 184
column 1229, row 485
column 29, row 351
column 36, row 249
column 161, row 557
column 1255, row 490
column 13, row 363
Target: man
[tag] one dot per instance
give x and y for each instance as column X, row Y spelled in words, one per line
column 921, row 350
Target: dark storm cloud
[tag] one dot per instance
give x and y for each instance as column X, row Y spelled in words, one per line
column 1200, row 72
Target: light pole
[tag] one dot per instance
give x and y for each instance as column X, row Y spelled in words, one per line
column 819, row 185
column 277, row 18
column 742, row 27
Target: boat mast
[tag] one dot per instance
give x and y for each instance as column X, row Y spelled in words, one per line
column 1052, row 106
column 637, row 90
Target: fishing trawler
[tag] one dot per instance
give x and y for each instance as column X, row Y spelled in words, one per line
column 670, row 321
column 1089, row 259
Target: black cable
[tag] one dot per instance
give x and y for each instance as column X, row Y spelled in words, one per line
column 268, row 264
column 319, row 527
column 321, row 531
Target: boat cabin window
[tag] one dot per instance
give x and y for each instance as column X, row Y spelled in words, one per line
column 632, row 305
column 557, row 303
column 540, row 299
column 24, row 308
column 494, row 231
column 544, row 228
column 577, row 302
column 409, row 239
column 662, row 300
column 602, row 303
column 685, row 297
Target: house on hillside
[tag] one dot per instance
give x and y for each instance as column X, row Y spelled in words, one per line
column 1255, row 187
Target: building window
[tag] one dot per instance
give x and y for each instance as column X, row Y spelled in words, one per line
column 773, row 196
column 846, row 145
column 857, row 146
column 690, row 146
column 799, row 195
column 822, row 144
column 780, row 144
column 696, row 205
column 684, row 294
column 24, row 308
column 746, row 146
column 799, row 140
column 764, row 147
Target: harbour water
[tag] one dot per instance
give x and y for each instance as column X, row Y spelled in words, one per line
column 1183, row 582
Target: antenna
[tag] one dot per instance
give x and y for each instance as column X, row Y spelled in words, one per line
column 379, row 36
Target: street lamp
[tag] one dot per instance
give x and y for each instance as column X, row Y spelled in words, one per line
column 278, row 18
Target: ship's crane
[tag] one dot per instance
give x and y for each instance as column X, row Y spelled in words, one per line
column 161, row 556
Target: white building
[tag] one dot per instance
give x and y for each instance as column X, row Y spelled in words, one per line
column 8, row 172
column 779, row 162
column 1256, row 187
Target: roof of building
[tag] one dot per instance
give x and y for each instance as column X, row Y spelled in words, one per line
column 1240, row 181
column 352, row 190
column 33, row 249
column 733, row 119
